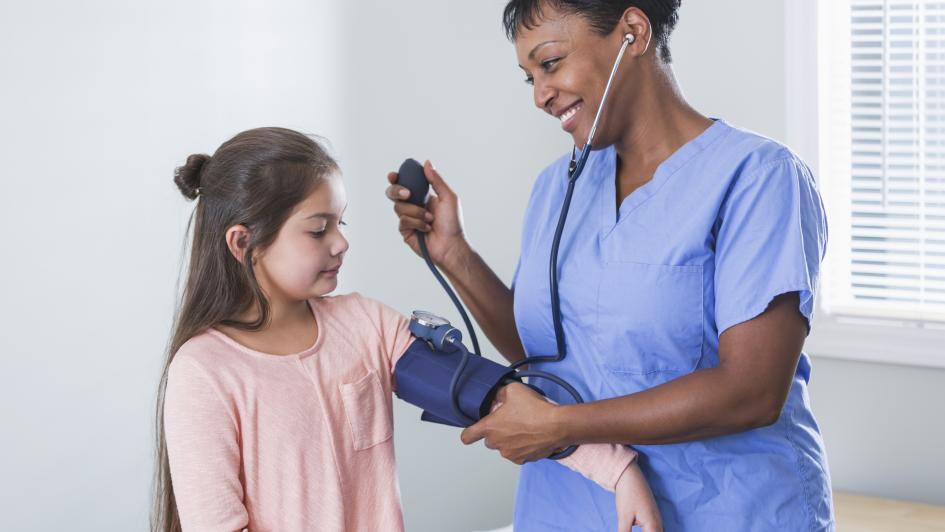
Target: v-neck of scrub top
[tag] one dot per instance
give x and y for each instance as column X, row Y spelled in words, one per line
column 610, row 216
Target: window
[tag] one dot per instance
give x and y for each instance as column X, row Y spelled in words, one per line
column 873, row 126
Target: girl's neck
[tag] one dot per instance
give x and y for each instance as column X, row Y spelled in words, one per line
column 291, row 328
column 284, row 313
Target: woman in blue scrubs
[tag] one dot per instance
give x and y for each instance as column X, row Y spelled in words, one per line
column 687, row 275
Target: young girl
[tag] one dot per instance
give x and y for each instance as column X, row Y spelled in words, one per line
column 275, row 410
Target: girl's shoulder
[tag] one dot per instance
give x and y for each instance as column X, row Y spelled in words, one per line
column 358, row 316
column 353, row 306
column 199, row 347
column 212, row 354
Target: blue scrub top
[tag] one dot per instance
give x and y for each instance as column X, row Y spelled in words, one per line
column 728, row 222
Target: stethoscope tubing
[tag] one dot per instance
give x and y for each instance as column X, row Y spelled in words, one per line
column 575, row 169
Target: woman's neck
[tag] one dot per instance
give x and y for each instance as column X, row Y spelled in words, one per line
column 662, row 121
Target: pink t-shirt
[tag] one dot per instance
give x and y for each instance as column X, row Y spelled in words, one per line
column 302, row 441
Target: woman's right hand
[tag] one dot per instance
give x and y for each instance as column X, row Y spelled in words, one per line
column 441, row 220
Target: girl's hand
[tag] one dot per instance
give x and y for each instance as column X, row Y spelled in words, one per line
column 441, row 220
column 635, row 503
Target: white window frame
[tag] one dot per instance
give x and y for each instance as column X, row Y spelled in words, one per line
column 903, row 342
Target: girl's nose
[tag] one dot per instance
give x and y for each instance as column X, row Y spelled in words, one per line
column 340, row 245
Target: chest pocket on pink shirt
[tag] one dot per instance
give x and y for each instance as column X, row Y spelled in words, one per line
column 365, row 405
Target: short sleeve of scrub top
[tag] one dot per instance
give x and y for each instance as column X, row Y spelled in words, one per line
column 769, row 242
column 727, row 223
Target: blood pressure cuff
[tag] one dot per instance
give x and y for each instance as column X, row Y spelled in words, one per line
column 423, row 374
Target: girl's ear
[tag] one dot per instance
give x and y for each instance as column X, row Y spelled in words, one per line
column 237, row 240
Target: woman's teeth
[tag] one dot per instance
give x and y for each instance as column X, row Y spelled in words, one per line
column 569, row 113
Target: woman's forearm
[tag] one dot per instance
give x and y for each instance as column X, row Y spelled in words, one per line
column 697, row 406
column 487, row 297
column 747, row 390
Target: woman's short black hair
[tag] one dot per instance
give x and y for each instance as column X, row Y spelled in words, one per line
column 603, row 16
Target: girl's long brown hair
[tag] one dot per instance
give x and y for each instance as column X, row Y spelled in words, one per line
column 255, row 179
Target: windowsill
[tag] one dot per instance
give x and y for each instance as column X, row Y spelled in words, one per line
column 863, row 340
column 870, row 341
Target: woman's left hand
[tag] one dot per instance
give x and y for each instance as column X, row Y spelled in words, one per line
column 525, row 428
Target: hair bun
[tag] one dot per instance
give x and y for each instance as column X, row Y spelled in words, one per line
column 187, row 177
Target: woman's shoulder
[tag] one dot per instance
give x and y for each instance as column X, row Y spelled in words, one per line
column 752, row 153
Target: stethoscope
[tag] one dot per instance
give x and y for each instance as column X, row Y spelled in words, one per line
column 575, row 169
column 434, row 328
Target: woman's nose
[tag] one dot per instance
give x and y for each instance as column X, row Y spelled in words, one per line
column 544, row 95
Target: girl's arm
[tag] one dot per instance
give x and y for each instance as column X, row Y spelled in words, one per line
column 602, row 463
column 203, row 450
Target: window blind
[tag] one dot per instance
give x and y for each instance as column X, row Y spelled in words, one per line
column 896, row 201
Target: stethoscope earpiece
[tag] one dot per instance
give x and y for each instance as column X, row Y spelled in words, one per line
column 630, row 38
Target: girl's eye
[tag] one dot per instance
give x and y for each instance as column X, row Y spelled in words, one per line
column 529, row 80
column 321, row 233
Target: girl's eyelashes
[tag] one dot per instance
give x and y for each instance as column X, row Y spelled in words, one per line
column 321, row 232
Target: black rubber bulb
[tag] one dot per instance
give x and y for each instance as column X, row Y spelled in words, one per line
column 410, row 176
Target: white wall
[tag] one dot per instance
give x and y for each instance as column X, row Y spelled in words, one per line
column 100, row 100
column 433, row 81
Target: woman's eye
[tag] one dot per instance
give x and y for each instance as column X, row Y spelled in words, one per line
column 548, row 64
column 317, row 234
column 342, row 223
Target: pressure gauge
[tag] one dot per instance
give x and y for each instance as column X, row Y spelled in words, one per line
column 432, row 328
column 428, row 319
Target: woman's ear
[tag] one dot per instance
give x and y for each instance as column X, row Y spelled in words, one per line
column 238, row 238
column 636, row 22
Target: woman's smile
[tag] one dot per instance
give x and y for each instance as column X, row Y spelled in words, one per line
column 569, row 116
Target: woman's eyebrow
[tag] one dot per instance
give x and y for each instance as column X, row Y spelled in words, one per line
column 531, row 55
